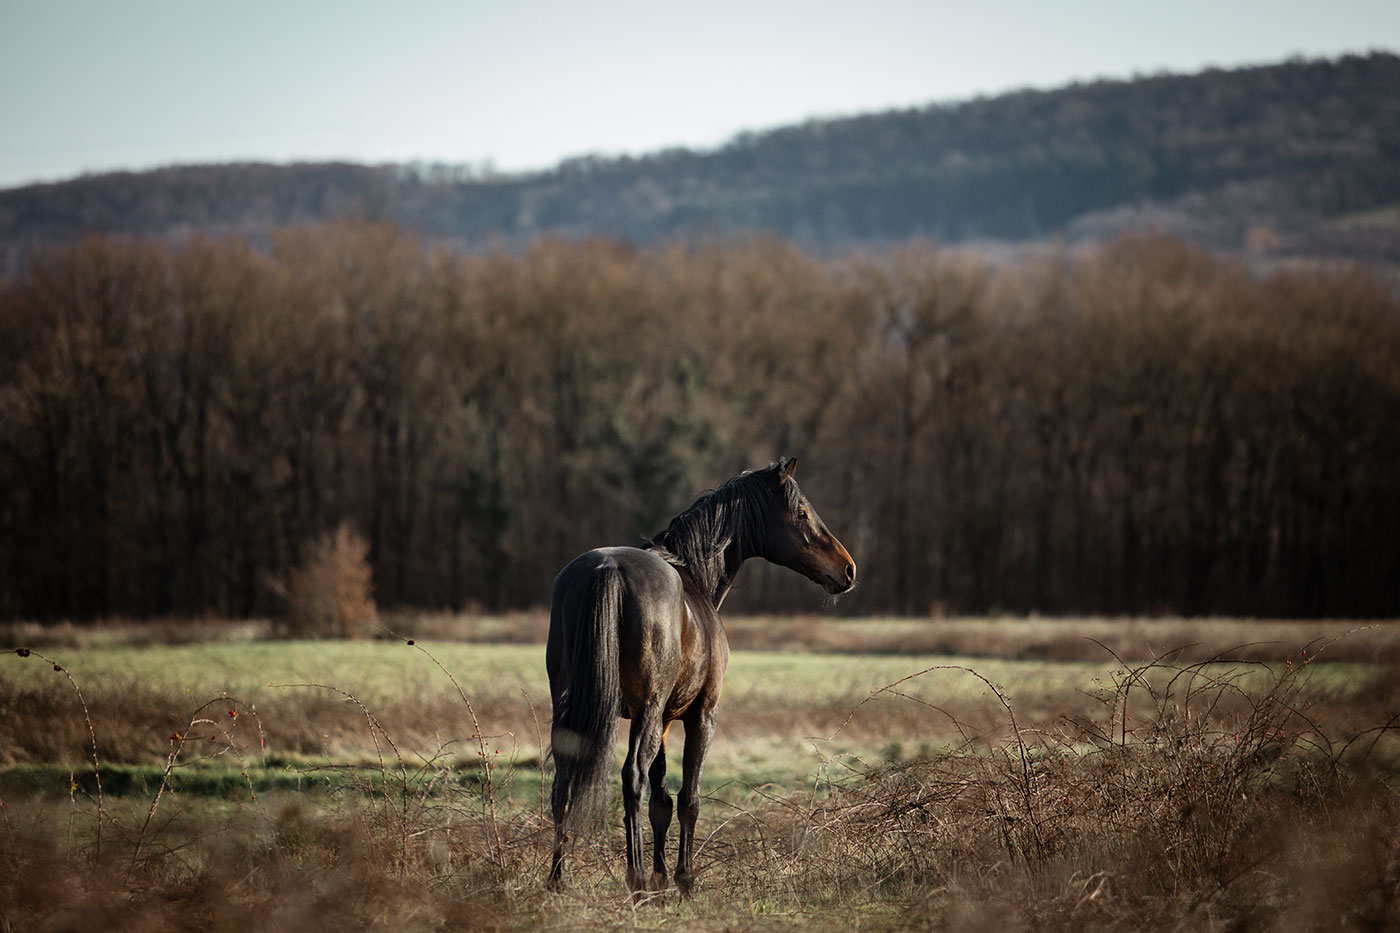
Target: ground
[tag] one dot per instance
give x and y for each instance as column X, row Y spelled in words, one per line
column 874, row 774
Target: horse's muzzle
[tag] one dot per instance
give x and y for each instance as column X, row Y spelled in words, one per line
column 843, row 582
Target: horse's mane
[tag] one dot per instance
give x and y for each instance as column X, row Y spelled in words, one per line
column 696, row 540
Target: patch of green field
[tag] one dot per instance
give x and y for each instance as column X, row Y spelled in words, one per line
column 763, row 675
column 789, row 720
column 374, row 671
column 384, row 673
column 380, row 673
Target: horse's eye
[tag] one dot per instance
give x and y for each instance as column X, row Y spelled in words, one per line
column 801, row 515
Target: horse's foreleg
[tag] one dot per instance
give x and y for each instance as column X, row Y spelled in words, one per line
column 642, row 746
column 659, row 808
column 699, row 730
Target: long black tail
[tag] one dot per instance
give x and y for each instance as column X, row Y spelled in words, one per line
column 584, row 729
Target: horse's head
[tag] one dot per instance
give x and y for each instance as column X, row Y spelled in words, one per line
column 799, row 539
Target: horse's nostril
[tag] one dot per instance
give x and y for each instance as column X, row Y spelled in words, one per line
column 850, row 573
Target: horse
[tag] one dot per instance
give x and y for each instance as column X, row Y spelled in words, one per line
column 635, row 633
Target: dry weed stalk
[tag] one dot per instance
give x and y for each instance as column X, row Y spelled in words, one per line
column 198, row 722
column 488, row 794
column 92, row 736
column 224, row 729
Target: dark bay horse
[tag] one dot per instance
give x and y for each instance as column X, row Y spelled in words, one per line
column 634, row 633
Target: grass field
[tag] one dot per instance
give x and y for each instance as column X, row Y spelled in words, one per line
column 882, row 774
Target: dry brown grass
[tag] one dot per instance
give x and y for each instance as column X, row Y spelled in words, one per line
column 1070, row 638
column 1188, row 801
column 1178, row 793
column 173, row 631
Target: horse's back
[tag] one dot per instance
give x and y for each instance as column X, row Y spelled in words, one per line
column 650, row 593
column 664, row 648
column 648, row 582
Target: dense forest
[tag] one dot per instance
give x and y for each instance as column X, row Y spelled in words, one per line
column 1295, row 159
column 1144, row 426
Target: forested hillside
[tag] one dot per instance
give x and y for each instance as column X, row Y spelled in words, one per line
column 1301, row 158
column 1142, row 427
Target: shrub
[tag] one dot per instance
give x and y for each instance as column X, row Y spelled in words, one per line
column 331, row 593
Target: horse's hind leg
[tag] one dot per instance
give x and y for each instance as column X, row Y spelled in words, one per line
column 659, row 809
column 642, row 747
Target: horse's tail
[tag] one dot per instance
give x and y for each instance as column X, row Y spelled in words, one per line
column 584, row 729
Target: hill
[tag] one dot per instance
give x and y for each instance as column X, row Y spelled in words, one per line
column 1299, row 158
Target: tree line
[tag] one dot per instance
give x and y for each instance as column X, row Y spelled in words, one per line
column 1138, row 428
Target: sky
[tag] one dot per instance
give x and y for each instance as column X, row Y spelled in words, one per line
column 106, row 85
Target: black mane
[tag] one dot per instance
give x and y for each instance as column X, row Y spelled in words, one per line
column 708, row 541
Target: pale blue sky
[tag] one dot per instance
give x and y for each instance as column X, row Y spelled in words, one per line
column 98, row 85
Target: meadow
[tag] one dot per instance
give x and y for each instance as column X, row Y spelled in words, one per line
column 869, row 774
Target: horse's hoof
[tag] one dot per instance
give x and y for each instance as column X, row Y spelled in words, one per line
column 685, row 884
column 659, row 881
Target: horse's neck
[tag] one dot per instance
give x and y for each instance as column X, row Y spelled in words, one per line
column 714, row 565
column 732, row 561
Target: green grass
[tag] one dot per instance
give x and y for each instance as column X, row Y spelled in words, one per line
column 388, row 672
column 374, row 671
column 788, row 719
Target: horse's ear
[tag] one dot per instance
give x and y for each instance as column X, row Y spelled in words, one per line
column 786, row 468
